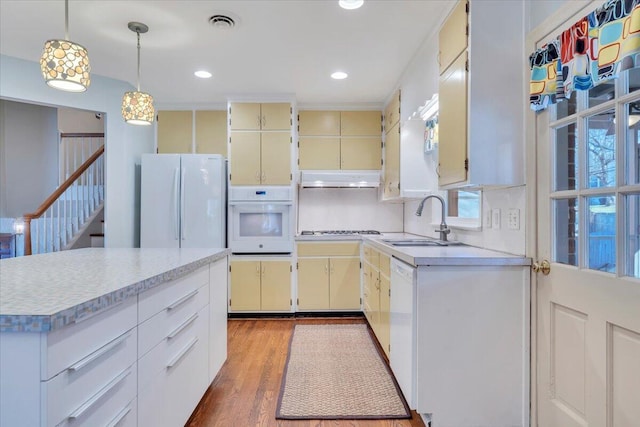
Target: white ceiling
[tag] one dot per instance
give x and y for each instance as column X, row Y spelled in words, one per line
column 279, row 48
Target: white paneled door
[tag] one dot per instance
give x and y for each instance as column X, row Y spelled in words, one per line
column 588, row 228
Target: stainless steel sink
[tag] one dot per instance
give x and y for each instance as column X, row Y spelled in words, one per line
column 419, row 242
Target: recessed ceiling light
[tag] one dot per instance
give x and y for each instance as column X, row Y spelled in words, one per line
column 339, row 75
column 202, row 74
column 350, row 4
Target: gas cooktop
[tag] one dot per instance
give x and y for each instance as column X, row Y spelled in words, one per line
column 336, row 232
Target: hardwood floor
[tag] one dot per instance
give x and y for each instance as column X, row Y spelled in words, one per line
column 245, row 392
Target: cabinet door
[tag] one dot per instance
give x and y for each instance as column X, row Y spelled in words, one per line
column 245, row 285
column 392, row 112
column 276, row 158
column 360, row 123
column 392, row 163
column 452, row 38
column 313, row 283
column 385, row 313
column 319, row 153
column 276, row 116
column 211, row 132
column 319, row 123
column 175, row 131
column 276, row 285
column 245, row 158
column 344, row 283
column 452, row 124
column 245, row 116
column 361, row 153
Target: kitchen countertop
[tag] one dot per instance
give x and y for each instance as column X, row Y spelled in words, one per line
column 45, row 292
column 429, row 255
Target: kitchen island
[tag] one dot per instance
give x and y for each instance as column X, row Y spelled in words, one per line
column 105, row 336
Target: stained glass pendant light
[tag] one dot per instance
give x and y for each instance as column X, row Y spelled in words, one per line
column 65, row 64
column 137, row 107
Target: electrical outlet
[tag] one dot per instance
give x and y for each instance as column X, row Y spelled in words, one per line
column 487, row 219
column 495, row 218
column 513, row 219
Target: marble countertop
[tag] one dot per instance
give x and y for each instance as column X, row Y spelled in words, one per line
column 44, row 292
column 429, row 255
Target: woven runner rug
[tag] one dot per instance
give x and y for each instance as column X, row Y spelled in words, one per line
column 336, row 372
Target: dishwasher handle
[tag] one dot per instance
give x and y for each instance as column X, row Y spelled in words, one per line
column 403, row 269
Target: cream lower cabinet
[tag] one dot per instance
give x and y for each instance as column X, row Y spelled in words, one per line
column 377, row 295
column 260, row 286
column 328, row 276
column 260, row 158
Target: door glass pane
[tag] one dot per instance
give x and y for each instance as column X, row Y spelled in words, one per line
column 601, row 146
column 633, row 143
column 567, row 107
column 634, row 80
column 602, row 93
column 566, row 231
column 260, row 224
column 566, row 158
column 633, row 236
column 602, row 233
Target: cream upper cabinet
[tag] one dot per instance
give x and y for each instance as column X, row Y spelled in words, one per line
column 361, row 153
column 245, row 158
column 392, row 112
column 319, row 123
column 276, row 158
column 260, row 158
column 260, row 285
column 211, row 132
column 392, row 163
column 360, row 123
column 319, row 153
column 452, row 38
column 175, row 131
column 358, row 148
column 255, row 116
column 452, row 122
column 329, row 276
column 481, row 125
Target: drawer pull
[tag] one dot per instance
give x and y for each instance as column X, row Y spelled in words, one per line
column 180, row 328
column 182, row 353
column 116, row 420
column 182, row 300
column 106, row 389
column 99, row 353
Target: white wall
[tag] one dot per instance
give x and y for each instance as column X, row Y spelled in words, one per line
column 21, row 80
column 71, row 120
column 539, row 10
column 29, row 146
column 347, row 209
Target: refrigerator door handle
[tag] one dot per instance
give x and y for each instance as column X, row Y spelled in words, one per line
column 182, row 206
column 176, row 210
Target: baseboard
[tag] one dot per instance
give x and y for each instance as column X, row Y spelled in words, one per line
column 259, row 315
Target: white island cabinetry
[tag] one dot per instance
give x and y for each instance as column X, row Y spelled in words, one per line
column 127, row 337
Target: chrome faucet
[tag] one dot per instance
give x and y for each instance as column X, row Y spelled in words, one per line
column 443, row 229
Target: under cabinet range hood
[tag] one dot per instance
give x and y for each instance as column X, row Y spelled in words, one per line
column 340, row 179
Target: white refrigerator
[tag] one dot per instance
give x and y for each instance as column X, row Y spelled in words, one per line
column 183, row 201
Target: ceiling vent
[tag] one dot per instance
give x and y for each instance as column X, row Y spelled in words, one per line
column 222, row 21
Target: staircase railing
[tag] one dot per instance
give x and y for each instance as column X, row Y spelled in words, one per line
column 68, row 207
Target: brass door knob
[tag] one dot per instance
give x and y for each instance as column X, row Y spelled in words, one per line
column 543, row 267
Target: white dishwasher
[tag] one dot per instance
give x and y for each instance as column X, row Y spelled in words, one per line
column 403, row 328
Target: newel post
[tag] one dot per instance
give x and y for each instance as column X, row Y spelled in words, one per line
column 27, row 235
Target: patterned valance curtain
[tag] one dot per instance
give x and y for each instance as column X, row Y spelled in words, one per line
column 593, row 50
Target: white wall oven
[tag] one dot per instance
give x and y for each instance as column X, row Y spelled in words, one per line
column 260, row 220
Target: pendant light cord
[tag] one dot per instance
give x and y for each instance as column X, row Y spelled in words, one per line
column 138, row 33
column 66, row 19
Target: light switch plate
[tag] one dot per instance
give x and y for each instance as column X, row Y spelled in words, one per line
column 495, row 218
column 513, row 219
